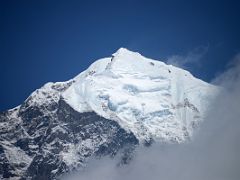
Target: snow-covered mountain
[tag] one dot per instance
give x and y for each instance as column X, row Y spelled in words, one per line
column 146, row 97
column 116, row 104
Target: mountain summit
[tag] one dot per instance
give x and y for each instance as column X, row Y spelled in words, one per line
column 144, row 96
column 118, row 103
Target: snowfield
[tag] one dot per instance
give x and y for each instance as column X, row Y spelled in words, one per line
column 153, row 100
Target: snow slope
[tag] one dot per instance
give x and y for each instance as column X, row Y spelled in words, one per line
column 147, row 97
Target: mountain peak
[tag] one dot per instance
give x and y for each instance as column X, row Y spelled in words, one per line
column 143, row 95
column 124, row 52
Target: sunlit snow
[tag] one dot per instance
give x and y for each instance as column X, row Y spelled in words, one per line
column 145, row 96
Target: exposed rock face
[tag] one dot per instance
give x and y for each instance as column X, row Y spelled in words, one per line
column 44, row 141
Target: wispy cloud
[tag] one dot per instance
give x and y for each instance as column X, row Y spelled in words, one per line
column 192, row 58
column 231, row 76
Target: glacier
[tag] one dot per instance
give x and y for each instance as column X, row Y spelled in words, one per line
column 153, row 100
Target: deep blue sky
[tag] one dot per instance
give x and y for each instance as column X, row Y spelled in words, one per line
column 54, row 40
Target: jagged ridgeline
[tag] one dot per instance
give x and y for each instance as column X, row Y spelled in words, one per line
column 117, row 104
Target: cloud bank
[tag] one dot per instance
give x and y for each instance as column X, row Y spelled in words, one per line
column 213, row 154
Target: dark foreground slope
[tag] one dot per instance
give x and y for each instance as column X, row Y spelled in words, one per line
column 45, row 141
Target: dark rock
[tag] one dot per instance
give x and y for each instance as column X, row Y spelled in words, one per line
column 46, row 134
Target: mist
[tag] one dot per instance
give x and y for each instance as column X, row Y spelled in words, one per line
column 212, row 154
